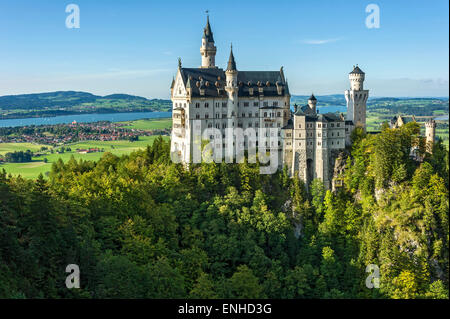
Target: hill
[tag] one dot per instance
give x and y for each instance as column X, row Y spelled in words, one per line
column 71, row 102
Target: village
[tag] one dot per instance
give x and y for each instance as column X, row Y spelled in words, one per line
column 63, row 134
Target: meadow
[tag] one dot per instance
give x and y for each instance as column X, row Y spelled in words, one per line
column 153, row 124
column 38, row 166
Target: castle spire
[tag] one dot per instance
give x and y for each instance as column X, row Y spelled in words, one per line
column 208, row 49
column 231, row 61
column 207, row 33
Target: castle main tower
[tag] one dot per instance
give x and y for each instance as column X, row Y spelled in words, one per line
column 356, row 98
column 430, row 133
column 208, row 49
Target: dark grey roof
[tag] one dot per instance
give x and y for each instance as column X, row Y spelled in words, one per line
column 310, row 116
column 307, row 110
column 322, row 118
column 173, row 83
column 216, row 78
column 357, row 70
column 312, row 98
column 231, row 61
column 331, row 117
column 289, row 125
column 207, row 33
column 405, row 119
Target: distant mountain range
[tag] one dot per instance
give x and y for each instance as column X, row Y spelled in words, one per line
column 67, row 99
column 71, row 102
column 339, row 99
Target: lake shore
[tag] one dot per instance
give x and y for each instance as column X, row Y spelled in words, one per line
column 84, row 118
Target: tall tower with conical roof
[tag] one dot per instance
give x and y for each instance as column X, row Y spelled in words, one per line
column 232, row 90
column 208, row 49
column 357, row 98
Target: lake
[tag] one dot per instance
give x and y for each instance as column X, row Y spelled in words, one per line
column 442, row 118
column 84, row 118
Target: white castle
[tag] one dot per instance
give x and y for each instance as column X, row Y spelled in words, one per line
column 209, row 97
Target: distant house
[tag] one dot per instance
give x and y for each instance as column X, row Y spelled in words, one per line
column 398, row 121
column 89, row 150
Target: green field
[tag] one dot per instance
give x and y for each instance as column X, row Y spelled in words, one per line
column 11, row 147
column 151, row 124
column 33, row 169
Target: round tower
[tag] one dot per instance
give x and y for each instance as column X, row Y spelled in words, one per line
column 312, row 102
column 356, row 99
column 232, row 88
column 208, row 49
column 430, row 133
column 231, row 74
column 356, row 77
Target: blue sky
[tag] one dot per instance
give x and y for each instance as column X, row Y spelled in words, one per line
column 132, row 46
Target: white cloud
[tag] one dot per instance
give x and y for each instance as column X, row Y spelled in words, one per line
column 318, row 42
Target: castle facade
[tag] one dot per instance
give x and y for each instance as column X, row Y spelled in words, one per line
column 210, row 97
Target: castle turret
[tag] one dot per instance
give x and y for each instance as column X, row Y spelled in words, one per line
column 232, row 88
column 208, row 49
column 312, row 102
column 357, row 98
column 357, row 77
column 430, row 133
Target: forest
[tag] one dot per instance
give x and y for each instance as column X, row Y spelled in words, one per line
column 140, row 226
column 18, row 157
